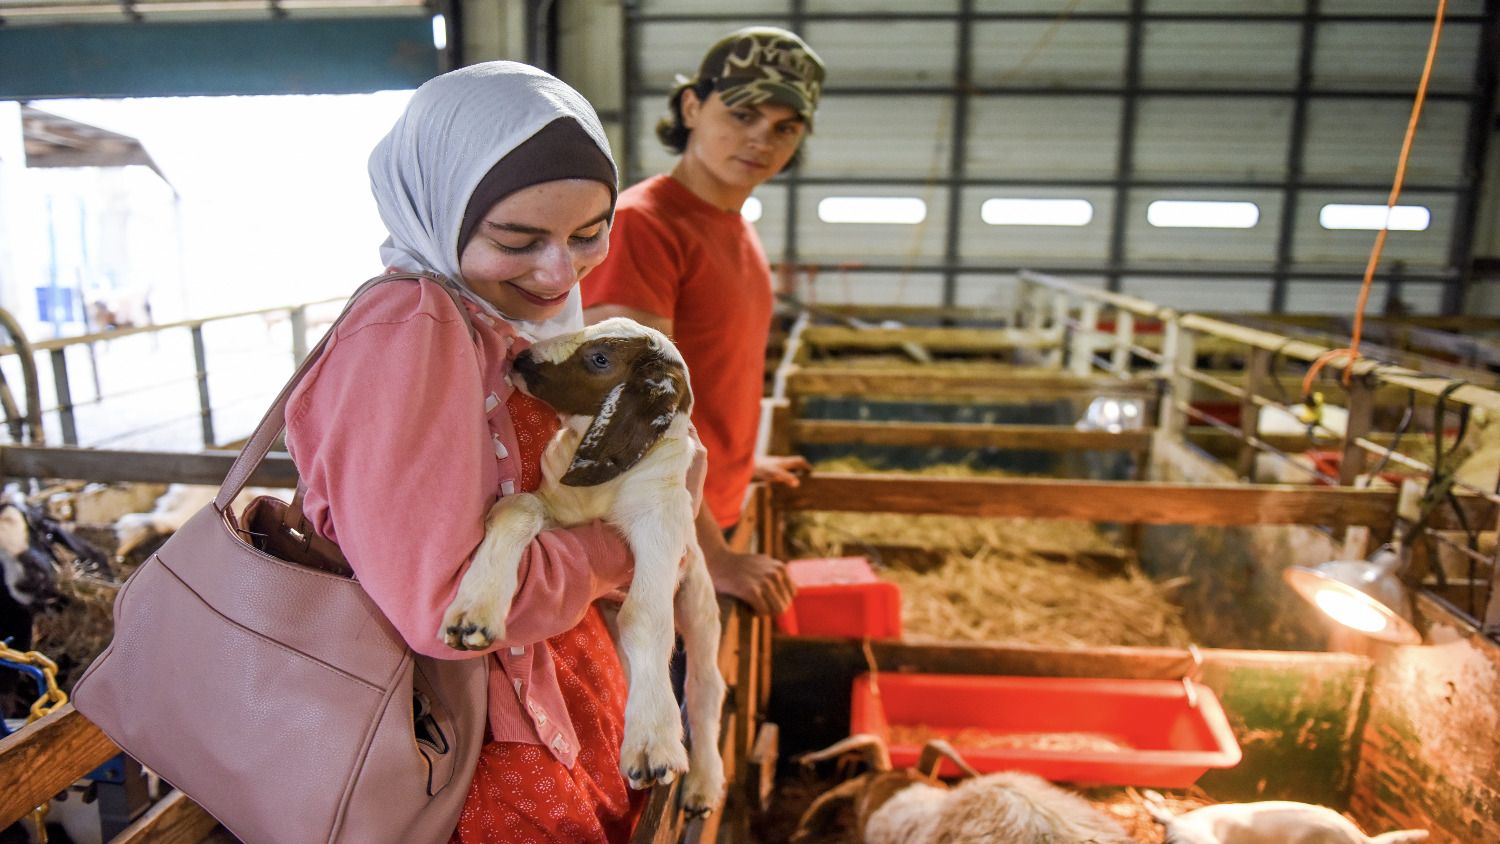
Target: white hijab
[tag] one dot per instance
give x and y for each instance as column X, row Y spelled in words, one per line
column 453, row 131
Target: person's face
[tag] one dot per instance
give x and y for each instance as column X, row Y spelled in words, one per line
column 742, row 145
column 535, row 244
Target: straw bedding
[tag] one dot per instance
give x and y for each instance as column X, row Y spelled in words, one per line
column 975, row 738
column 77, row 629
column 1046, row 583
column 80, row 627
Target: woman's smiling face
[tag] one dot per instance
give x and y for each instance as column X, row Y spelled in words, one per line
column 534, row 245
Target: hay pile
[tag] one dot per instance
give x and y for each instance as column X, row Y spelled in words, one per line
column 79, row 628
column 1036, row 582
column 967, row 739
column 1004, row 595
column 1127, row 807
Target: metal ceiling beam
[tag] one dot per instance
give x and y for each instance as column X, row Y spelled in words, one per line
column 963, row 69
column 1421, row 15
column 1296, row 143
column 292, row 56
column 1481, row 125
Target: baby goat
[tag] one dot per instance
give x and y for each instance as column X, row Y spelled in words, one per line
column 914, row 807
column 1267, row 822
column 622, row 455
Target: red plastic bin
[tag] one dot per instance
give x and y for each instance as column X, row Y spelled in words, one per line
column 1329, row 463
column 1171, row 742
column 841, row 596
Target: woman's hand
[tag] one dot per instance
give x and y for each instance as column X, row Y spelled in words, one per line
column 758, row 580
column 786, row 471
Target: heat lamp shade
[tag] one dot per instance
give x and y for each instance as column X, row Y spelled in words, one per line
column 1364, row 596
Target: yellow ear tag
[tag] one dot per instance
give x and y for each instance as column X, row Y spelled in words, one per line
column 1311, row 411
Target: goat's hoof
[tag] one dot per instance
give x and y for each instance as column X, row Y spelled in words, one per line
column 703, row 789
column 695, row 812
column 653, row 763
column 464, row 634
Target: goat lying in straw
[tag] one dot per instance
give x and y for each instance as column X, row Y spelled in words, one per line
column 914, row 807
column 1268, row 822
column 622, row 455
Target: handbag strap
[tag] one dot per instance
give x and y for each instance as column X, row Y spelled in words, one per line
column 274, row 422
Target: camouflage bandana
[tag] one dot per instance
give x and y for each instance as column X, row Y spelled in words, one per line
column 765, row 64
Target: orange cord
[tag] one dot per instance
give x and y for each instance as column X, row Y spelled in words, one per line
column 1352, row 353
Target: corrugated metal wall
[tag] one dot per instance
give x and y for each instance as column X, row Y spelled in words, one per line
column 1291, row 105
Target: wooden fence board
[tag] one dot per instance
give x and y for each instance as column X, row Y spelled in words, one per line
column 175, row 819
column 962, row 435
column 1428, row 756
column 115, row 465
column 45, row 758
column 933, row 339
column 1093, row 501
column 1007, row 383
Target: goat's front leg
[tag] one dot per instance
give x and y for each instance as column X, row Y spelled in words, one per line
column 697, row 610
column 652, row 750
column 476, row 618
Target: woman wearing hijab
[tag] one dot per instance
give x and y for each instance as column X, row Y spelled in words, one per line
column 688, row 263
column 496, row 182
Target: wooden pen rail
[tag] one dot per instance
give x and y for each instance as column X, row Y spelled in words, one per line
column 46, row 756
column 1131, row 502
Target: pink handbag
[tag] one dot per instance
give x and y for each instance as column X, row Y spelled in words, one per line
column 274, row 693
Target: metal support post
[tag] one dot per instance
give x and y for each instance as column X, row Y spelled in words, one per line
column 299, row 335
column 205, row 408
column 1119, row 362
column 64, row 396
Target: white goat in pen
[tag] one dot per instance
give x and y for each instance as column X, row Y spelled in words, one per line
column 146, row 531
column 623, row 456
column 1267, row 822
column 914, row 807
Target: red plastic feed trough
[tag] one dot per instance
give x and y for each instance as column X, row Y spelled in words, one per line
column 841, row 596
column 1165, row 741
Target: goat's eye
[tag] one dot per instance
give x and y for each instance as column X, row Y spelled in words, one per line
column 598, row 361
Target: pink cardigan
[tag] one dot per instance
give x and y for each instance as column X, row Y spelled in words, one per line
column 402, row 436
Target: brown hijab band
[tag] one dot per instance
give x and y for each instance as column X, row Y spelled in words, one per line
column 560, row 150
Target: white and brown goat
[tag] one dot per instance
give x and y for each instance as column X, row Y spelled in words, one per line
column 915, row 807
column 622, row 455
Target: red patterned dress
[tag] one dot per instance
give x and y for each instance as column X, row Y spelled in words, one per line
column 521, row 794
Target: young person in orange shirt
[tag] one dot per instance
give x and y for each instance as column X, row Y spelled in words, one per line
column 684, row 260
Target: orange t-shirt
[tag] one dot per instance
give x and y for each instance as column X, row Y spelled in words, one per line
column 676, row 256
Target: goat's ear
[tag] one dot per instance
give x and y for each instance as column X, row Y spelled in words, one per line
column 633, row 417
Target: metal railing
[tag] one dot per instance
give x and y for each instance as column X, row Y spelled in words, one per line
column 27, row 423
column 1070, row 314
